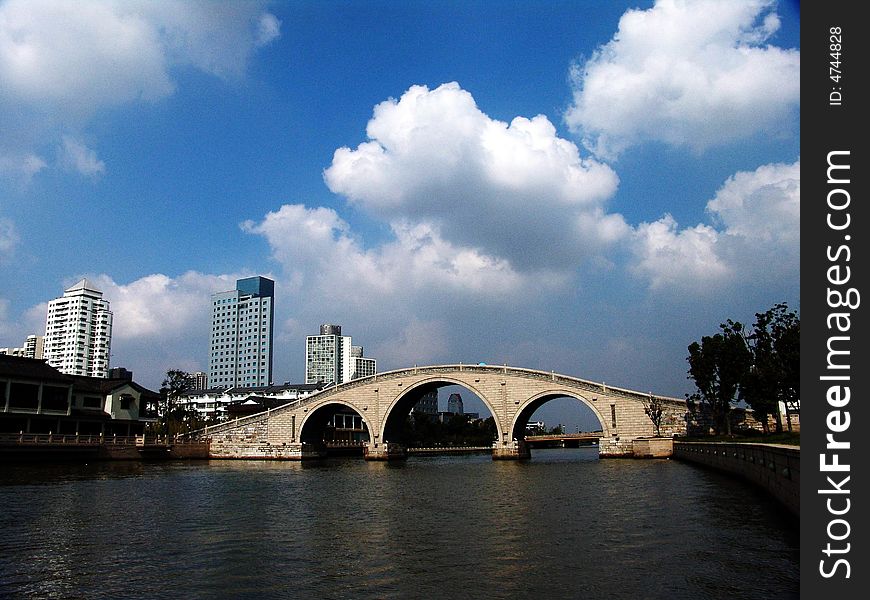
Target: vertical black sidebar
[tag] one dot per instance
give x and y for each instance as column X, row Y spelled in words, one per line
column 835, row 441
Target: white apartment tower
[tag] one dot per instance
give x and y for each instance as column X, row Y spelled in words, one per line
column 240, row 353
column 331, row 358
column 78, row 332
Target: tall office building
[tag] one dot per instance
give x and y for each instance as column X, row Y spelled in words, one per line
column 331, row 358
column 240, row 353
column 78, row 331
column 454, row 404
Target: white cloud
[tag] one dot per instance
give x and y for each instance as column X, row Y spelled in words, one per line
column 75, row 155
column 62, row 62
column 268, row 28
column 158, row 307
column 319, row 255
column 514, row 191
column 80, row 55
column 21, row 166
column 684, row 259
column 8, row 239
column 695, row 73
column 763, row 204
column 758, row 237
column 418, row 342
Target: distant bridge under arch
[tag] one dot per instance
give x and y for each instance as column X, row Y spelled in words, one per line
column 511, row 394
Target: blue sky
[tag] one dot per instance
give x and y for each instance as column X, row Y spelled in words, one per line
column 585, row 187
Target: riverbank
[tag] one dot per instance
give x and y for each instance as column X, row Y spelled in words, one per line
column 774, row 467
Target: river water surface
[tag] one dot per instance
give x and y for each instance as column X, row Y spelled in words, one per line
column 562, row 525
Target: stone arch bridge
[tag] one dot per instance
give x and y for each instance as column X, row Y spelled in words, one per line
column 512, row 395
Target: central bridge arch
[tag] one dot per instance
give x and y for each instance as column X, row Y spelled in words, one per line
column 525, row 412
column 394, row 417
column 384, row 400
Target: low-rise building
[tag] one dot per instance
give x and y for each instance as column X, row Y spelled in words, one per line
column 38, row 398
column 212, row 404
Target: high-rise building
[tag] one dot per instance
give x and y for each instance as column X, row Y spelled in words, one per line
column 33, row 347
column 240, row 353
column 428, row 404
column 78, row 331
column 197, row 381
column 331, row 358
column 454, row 404
column 359, row 365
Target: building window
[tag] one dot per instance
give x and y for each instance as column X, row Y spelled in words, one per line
column 127, row 401
column 91, row 402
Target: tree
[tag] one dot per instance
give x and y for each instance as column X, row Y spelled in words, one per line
column 654, row 408
column 774, row 375
column 718, row 365
column 174, row 385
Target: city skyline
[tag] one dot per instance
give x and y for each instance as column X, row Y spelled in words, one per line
column 454, row 185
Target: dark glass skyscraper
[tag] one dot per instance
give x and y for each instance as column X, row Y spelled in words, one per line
column 241, row 334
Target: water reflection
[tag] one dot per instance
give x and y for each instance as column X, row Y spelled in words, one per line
column 562, row 525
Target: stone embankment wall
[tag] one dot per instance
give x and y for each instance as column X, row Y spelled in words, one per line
column 774, row 467
column 652, row 447
column 186, row 450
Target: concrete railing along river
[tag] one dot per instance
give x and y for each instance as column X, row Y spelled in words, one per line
column 774, row 467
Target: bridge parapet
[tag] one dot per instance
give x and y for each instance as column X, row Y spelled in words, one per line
column 511, row 394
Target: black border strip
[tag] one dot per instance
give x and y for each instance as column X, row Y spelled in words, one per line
column 833, row 246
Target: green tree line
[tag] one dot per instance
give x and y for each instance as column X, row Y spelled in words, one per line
column 759, row 366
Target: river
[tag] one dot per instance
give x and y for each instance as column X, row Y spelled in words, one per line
column 562, row 525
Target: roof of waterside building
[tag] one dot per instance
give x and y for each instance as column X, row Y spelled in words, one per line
column 30, row 369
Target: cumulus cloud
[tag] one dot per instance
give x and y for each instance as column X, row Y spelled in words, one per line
column 694, row 73
column 79, row 54
column 318, row 253
column 158, row 307
column 686, row 258
column 756, row 235
column 417, row 342
column 76, row 156
column 514, row 190
column 60, row 62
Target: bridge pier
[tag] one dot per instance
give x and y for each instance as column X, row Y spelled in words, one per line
column 385, row 451
column 304, row 451
column 514, row 450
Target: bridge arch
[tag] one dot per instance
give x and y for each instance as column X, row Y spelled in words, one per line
column 314, row 422
column 528, row 408
column 384, row 400
column 398, row 409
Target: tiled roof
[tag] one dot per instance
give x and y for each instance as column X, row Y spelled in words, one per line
column 30, row 368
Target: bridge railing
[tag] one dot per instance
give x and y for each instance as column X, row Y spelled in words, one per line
column 43, row 439
column 504, row 369
column 586, row 384
column 233, row 423
column 71, row 439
